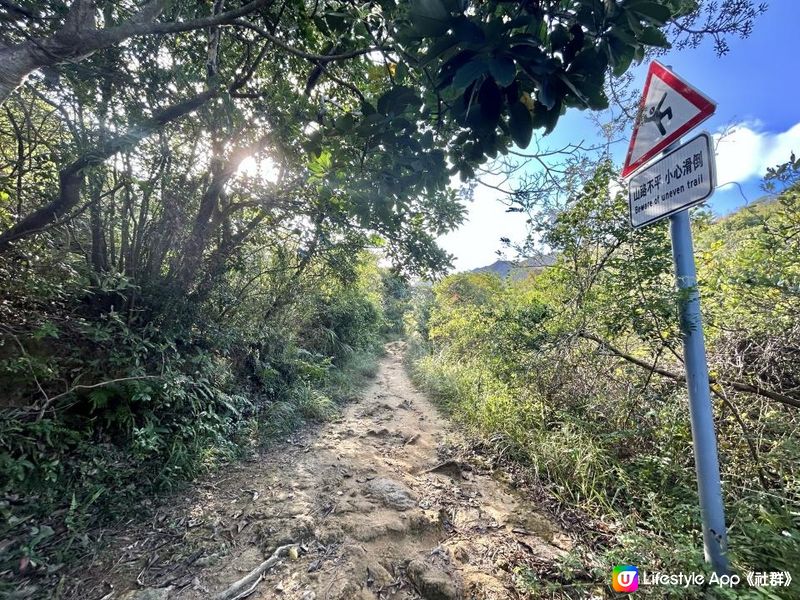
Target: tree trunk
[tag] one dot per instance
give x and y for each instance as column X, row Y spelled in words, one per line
column 99, row 258
column 15, row 64
column 70, row 43
column 217, row 262
column 79, row 38
column 192, row 255
column 71, row 178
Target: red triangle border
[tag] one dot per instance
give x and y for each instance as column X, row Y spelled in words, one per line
column 705, row 105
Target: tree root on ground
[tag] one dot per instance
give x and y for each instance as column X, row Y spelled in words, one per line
column 247, row 584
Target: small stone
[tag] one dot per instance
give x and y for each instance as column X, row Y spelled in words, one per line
column 205, row 561
column 460, row 554
column 314, row 566
column 308, row 595
column 148, row 594
column 393, row 494
column 293, row 553
column 432, row 583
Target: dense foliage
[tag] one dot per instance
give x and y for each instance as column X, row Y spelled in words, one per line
column 577, row 372
column 148, row 402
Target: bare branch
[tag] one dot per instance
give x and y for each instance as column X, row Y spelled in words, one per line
column 71, row 178
column 736, row 385
column 323, row 58
column 49, row 401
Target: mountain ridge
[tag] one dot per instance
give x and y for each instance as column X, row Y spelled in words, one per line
column 518, row 269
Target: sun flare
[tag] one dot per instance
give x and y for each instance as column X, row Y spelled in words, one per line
column 264, row 169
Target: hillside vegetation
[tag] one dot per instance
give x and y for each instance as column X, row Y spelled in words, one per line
column 576, row 372
column 167, row 401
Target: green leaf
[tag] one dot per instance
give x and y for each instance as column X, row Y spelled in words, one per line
column 624, row 34
column 563, row 77
column 559, row 37
column 547, row 94
column 621, row 54
column 633, row 22
column 45, row 531
column 468, row 32
column 503, row 70
column 345, row 123
column 451, row 66
column 590, row 64
column 367, row 109
column 455, row 5
column 598, row 100
column 469, row 73
column 653, row 37
column 320, row 165
column 336, row 21
column 429, row 17
column 314, row 144
column 438, row 47
column 99, row 398
column 521, row 124
column 47, row 329
column 653, row 11
column 397, row 99
column 491, row 102
column 544, row 118
column 402, row 72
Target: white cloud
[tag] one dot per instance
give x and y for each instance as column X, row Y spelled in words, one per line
column 745, row 151
column 475, row 242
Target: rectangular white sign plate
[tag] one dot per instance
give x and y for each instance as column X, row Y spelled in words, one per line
column 682, row 178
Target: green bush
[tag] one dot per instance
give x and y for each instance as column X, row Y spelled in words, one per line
column 156, row 398
column 520, row 364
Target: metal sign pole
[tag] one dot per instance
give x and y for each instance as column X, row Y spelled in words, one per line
column 694, row 352
column 683, row 176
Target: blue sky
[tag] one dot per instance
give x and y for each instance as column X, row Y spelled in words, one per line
column 757, row 94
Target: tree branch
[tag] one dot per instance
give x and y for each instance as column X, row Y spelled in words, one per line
column 51, row 399
column 245, row 585
column 324, row 58
column 71, row 178
column 736, row 385
column 79, row 38
column 12, row 7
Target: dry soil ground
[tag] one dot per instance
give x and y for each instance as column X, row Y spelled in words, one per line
column 374, row 505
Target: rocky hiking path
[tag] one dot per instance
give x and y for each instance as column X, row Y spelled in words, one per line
column 374, row 505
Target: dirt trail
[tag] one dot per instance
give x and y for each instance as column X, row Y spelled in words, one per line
column 377, row 504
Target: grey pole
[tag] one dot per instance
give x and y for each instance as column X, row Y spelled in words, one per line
column 694, row 352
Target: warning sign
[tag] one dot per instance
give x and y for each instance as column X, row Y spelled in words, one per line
column 684, row 177
column 670, row 108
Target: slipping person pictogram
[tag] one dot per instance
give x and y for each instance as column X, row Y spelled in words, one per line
column 656, row 115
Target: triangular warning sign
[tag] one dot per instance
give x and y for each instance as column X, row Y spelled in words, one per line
column 670, row 107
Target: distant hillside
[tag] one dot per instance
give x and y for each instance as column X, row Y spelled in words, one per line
column 518, row 269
